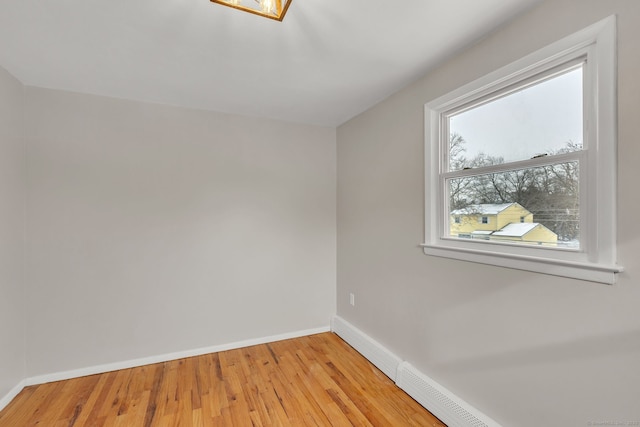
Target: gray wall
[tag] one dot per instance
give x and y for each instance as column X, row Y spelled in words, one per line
column 527, row 349
column 12, row 233
column 155, row 229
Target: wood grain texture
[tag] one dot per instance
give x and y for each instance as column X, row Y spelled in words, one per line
column 317, row 380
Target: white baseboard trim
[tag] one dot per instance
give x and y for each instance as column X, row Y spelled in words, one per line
column 375, row 352
column 7, row 398
column 445, row 405
column 99, row 369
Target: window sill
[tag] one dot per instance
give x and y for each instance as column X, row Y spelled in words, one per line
column 592, row 272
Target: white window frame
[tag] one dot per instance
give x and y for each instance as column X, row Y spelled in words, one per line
column 596, row 259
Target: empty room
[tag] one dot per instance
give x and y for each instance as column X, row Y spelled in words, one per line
column 320, row 212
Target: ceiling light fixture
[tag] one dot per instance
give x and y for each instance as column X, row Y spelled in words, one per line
column 273, row 9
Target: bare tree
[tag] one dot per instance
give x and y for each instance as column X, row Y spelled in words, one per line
column 551, row 192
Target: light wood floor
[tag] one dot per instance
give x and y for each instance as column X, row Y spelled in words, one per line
column 317, row 380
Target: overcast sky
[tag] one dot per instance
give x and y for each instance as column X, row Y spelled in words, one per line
column 527, row 123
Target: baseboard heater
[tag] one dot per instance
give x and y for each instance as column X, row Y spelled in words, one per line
column 449, row 408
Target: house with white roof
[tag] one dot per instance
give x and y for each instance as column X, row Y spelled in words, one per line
column 507, row 222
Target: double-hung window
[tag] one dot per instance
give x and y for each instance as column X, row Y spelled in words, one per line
column 521, row 164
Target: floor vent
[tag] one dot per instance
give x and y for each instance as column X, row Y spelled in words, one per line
column 439, row 401
column 375, row 352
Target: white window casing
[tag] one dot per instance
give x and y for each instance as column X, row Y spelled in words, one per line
column 595, row 259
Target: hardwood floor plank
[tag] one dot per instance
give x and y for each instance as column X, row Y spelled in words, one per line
column 317, row 380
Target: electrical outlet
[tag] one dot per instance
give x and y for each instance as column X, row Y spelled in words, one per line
column 352, row 299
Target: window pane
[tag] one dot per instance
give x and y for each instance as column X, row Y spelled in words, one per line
column 546, row 118
column 537, row 206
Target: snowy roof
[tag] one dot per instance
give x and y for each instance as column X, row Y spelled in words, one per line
column 484, row 209
column 516, row 229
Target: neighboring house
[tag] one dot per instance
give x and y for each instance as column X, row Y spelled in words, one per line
column 500, row 222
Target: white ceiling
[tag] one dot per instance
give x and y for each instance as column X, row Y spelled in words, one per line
column 328, row 61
